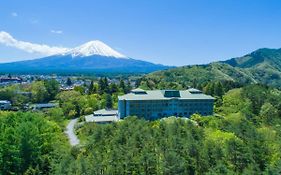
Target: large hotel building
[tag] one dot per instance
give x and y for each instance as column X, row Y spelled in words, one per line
column 155, row 104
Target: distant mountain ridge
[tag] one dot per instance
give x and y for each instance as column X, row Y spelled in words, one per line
column 94, row 56
column 261, row 66
column 271, row 57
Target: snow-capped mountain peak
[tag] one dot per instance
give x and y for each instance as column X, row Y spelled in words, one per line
column 95, row 47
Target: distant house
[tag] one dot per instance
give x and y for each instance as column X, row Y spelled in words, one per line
column 41, row 106
column 155, row 104
column 103, row 116
column 68, row 88
column 4, row 81
column 5, row 105
column 13, row 80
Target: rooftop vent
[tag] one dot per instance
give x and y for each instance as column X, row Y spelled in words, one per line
column 138, row 91
column 194, row 91
column 171, row 93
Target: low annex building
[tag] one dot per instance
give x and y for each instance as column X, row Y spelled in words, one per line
column 155, row 104
column 41, row 106
column 103, row 116
column 5, row 105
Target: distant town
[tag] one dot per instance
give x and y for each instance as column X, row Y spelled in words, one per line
column 65, row 83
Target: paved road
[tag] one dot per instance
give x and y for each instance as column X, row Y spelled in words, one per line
column 70, row 132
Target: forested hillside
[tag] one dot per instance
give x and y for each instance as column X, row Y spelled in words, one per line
column 262, row 66
column 243, row 138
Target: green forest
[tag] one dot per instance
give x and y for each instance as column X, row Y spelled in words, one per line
column 243, row 137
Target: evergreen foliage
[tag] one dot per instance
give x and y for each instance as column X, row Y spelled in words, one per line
column 243, row 138
column 29, row 144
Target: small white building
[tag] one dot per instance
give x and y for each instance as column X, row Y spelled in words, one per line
column 5, row 105
column 103, row 116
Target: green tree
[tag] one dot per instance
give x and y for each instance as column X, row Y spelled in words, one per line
column 80, row 89
column 257, row 94
column 39, row 92
column 68, row 82
column 122, row 86
column 52, row 87
column 268, row 112
column 113, row 88
column 29, row 143
column 209, row 88
column 108, row 101
column 103, row 86
column 218, row 89
column 91, row 88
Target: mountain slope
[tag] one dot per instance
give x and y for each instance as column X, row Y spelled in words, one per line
column 261, row 66
column 81, row 64
column 264, row 65
column 90, row 57
column 258, row 58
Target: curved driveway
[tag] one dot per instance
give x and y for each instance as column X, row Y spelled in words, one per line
column 70, row 132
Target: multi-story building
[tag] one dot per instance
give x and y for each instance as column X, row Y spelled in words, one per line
column 155, row 104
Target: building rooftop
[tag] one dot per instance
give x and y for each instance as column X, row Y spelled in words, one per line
column 44, row 105
column 101, row 119
column 5, row 102
column 138, row 91
column 192, row 94
column 105, row 112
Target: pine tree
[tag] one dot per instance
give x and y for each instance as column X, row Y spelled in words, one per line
column 128, row 87
column 106, row 86
column 209, row 88
column 68, row 82
column 91, row 87
column 218, row 90
column 113, row 88
column 108, row 101
column 122, row 86
column 101, row 86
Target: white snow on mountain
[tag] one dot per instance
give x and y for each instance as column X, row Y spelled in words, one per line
column 94, row 48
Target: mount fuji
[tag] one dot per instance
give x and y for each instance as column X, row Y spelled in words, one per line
column 91, row 57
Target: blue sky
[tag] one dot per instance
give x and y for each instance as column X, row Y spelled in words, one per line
column 171, row 32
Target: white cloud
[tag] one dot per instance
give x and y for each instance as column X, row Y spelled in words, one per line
column 57, row 31
column 8, row 40
column 14, row 14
